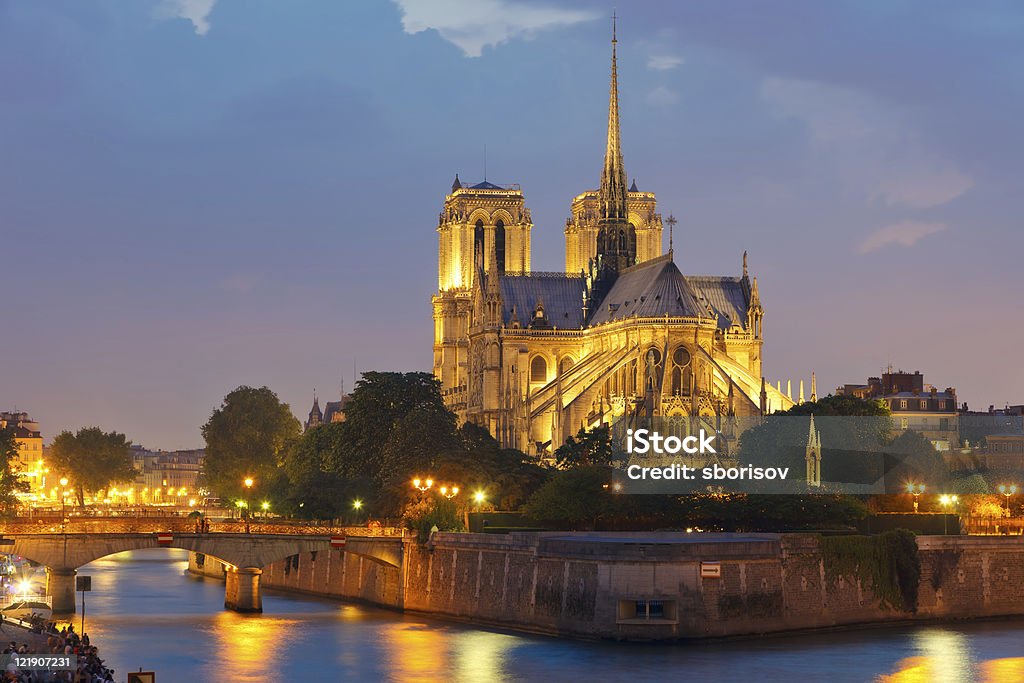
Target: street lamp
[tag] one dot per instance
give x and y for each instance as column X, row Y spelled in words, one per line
column 63, row 503
column 248, row 481
column 449, row 493
column 422, row 484
column 1007, row 491
column 479, row 497
column 946, row 500
column 915, row 490
column 265, row 507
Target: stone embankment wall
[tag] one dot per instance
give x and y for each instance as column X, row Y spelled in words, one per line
column 654, row 586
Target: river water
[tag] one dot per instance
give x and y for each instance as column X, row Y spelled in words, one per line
column 145, row 611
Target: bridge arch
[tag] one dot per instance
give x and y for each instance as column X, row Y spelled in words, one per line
column 244, row 555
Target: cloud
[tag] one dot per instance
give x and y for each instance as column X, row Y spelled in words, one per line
column 662, row 97
column 875, row 147
column 905, row 233
column 195, row 11
column 472, row 26
column 664, row 62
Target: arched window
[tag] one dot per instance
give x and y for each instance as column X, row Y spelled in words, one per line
column 680, row 375
column 566, row 364
column 499, row 244
column 479, row 257
column 538, row 369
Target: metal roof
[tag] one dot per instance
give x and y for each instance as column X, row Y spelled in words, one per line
column 561, row 295
column 728, row 296
column 650, row 289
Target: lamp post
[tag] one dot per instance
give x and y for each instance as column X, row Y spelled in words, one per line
column 422, row 484
column 1007, row 490
column 946, row 500
column 915, row 490
column 63, row 504
column 479, row 497
column 248, row 481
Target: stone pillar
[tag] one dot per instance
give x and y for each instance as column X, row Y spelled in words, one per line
column 242, row 589
column 60, row 586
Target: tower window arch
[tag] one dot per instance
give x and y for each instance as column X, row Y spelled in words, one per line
column 499, row 245
column 539, row 369
column 478, row 244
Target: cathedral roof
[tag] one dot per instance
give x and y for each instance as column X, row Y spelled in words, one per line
column 650, row 289
column 561, row 295
column 729, row 297
column 485, row 185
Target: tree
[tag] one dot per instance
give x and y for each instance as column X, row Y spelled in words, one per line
column 11, row 481
column 92, row 460
column 247, row 436
column 377, row 406
column 588, row 447
column 576, row 498
column 917, row 462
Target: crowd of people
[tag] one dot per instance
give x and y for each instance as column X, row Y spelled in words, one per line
column 88, row 667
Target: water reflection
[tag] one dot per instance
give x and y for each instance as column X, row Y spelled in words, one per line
column 145, row 611
column 249, row 645
column 947, row 656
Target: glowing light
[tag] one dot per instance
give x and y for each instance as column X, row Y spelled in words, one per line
column 357, row 504
column 266, row 505
column 248, row 482
column 63, row 481
column 479, row 497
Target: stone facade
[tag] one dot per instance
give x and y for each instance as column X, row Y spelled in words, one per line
column 655, row 586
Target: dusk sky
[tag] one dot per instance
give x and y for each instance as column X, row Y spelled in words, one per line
column 198, row 194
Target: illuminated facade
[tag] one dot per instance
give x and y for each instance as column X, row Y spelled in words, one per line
column 534, row 357
column 29, row 441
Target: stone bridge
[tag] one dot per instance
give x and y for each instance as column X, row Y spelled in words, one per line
column 245, row 556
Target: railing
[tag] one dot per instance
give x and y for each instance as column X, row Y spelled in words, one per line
column 183, row 525
column 8, row 600
column 993, row 526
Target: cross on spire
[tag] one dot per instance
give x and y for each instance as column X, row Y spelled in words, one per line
column 671, row 220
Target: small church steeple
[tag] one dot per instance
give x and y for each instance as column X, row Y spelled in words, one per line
column 812, row 456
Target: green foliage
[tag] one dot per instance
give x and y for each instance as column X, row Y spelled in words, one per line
column 742, row 512
column 575, row 497
column 434, row 511
column 587, row 448
column 92, row 459
column 888, row 564
column 247, row 436
column 11, row 481
column 417, row 442
column 379, row 404
column 918, row 462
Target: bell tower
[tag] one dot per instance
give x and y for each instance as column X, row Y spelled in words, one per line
column 483, row 227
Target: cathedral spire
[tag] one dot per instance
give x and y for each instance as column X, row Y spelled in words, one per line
column 613, row 177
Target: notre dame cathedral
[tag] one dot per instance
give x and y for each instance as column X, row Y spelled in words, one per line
column 535, row 356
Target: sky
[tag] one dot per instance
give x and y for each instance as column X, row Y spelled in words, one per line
column 199, row 194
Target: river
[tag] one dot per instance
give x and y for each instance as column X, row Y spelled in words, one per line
column 145, row 611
